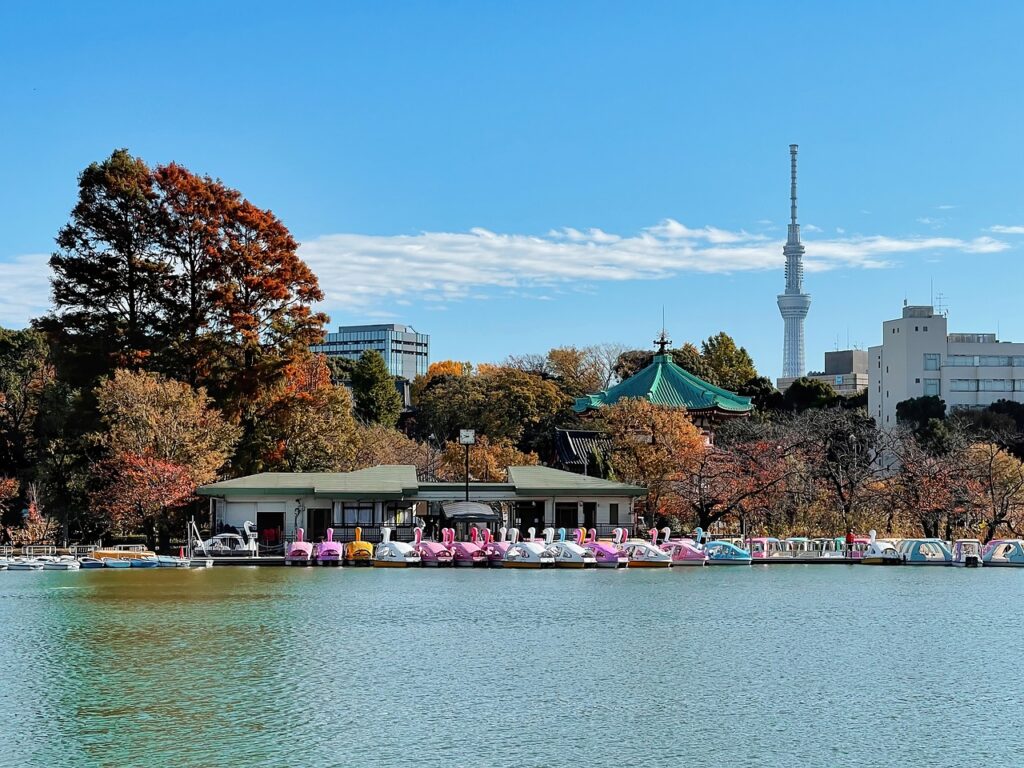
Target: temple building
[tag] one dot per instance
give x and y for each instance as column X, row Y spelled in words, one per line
column 665, row 383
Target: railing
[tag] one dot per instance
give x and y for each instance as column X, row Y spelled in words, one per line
column 39, row 549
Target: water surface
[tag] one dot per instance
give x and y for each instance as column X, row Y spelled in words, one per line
column 765, row 666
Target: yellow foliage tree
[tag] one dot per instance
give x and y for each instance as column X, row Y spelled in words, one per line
column 488, row 461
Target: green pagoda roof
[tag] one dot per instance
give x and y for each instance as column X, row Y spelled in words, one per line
column 665, row 383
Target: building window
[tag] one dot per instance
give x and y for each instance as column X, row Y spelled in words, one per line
column 963, row 385
column 996, row 385
column 613, row 513
column 926, row 328
column 931, row 387
column 994, row 361
column 931, row 361
column 1018, row 385
column 916, row 329
column 356, row 513
column 961, row 361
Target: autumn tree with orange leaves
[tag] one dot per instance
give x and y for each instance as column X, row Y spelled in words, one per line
column 655, row 447
column 160, row 440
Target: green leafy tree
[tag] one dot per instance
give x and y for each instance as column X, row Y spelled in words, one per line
column 729, row 366
column 806, row 393
column 763, row 394
column 108, row 276
column 376, row 399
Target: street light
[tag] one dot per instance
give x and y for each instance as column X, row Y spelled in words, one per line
column 467, row 437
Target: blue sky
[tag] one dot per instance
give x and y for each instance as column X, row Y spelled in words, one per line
column 509, row 177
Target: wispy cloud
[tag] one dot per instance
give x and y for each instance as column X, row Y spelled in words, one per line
column 360, row 270
column 1003, row 229
column 24, row 289
column 370, row 273
column 812, row 228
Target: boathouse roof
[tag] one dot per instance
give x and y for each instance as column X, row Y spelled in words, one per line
column 398, row 481
column 665, row 383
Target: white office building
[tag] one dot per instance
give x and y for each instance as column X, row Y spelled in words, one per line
column 919, row 357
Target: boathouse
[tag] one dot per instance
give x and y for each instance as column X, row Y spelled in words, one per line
column 392, row 495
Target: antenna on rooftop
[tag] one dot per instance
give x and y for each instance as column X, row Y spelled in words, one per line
column 940, row 304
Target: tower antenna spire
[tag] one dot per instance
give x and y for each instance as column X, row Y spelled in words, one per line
column 793, row 303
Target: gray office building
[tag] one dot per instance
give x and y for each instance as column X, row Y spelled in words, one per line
column 406, row 352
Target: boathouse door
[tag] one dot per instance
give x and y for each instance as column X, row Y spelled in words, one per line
column 589, row 514
column 529, row 514
column 317, row 521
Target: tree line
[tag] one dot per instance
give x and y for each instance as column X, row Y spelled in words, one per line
column 177, row 352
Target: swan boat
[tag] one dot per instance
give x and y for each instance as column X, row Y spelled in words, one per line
column 357, row 551
column 606, row 553
column 528, row 554
column 722, row 552
column 300, row 551
column 683, row 551
column 569, row 554
column 394, row 554
column 1003, row 553
column 641, row 553
column 433, row 554
column 880, row 552
column 329, row 552
column 925, row 552
column 465, row 554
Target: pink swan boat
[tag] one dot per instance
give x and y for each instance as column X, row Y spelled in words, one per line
column 465, row 554
column 605, row 553
column 300, row 552
column 432, row 553
column 496, row 550
column 683, row 551
column 329, row 552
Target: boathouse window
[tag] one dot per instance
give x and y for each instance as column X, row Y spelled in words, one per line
column 613, row 514
column 356, row 513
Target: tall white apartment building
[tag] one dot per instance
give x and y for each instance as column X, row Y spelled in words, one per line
column 919, row 357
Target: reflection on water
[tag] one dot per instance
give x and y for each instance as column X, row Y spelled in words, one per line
column 768, row 666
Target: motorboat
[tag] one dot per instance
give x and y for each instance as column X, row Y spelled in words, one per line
column 90, row 563
column 881, row 552
column 529, row 553
column 495, row 550
column 122, row 552
column 606, row 554
column 329, row 551
column 357, row 551
column 432, row 554
column 925, row 552
column 722, row 552
column 641, row 553
column 570, row 554
column 64, row 563
column 682, row 551
column 144, row 562
column 300, row 551
column 170, row 561
column 394, row 554
column 967, row 553
column 1003, row 553
column 465, row 554
column 116, row 562
column 24, row 564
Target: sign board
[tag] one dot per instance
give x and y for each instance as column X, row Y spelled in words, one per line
column 839, row 380
column 467, row 437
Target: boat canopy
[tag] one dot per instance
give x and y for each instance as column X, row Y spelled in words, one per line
column 470, row 512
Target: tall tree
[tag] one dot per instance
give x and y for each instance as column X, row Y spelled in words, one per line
column 108, row 277
column 25, row 374
column 730, row 366
column 376, row 399
column 190, row 219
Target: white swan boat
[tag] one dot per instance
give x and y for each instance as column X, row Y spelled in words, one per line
column 394, row 554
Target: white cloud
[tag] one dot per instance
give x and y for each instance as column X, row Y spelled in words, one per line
column 1002, row 229
column 374, row 272
column 840, row 230
column 24, row 289
column 812, row 228
column 945, row 207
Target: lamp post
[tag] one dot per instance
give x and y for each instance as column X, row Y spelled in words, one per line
column 467, row 437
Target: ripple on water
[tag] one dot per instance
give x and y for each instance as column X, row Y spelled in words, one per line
column 742, row 666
